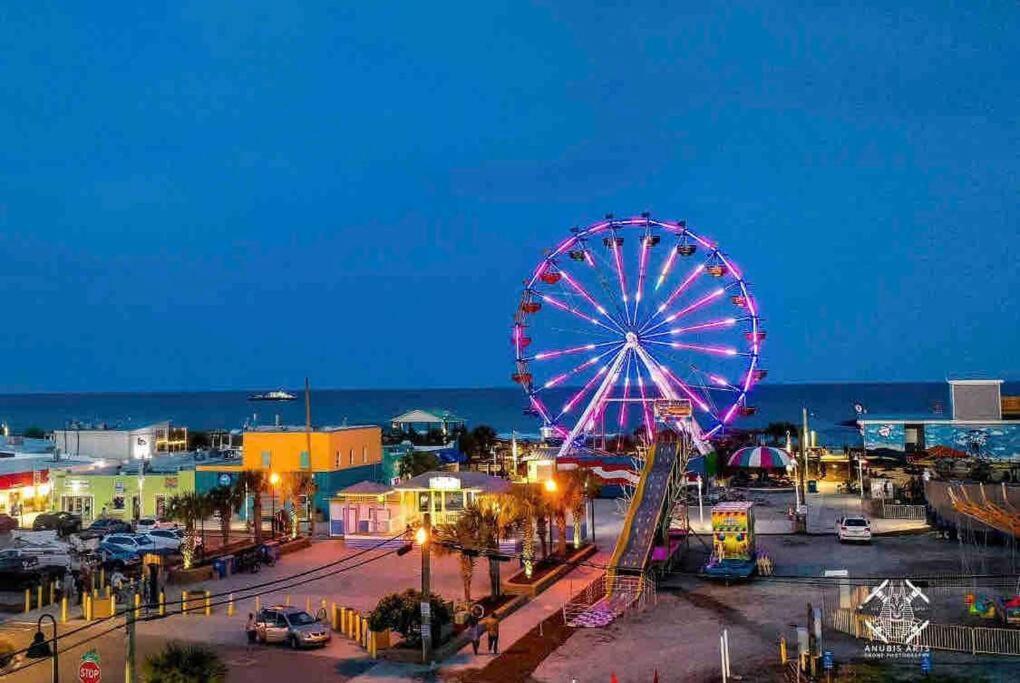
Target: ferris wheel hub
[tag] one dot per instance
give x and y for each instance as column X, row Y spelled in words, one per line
column 632, row 340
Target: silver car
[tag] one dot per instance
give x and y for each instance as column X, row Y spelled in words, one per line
column 291, row 625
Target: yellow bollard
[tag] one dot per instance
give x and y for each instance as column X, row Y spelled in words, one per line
column 230, row 606
column 85, row 599
column 39, row 603
column 53, row 592
column 107, row 589
column 345, row 621
column 162, row 603
column 288, row 600
column 208, row 603
column 113, row 605
column 334, row 620
column 63, row 610
column 782, row 650
column 308, row 604
column 364, row 632
column 138, row 604
column 184, row 602
column 258, row 604
column 28, row 600
column 102, row 576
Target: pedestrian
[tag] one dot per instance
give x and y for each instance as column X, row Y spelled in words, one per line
column 475, row 633
column 492, row 629
column 69, row 587
column 249, row 628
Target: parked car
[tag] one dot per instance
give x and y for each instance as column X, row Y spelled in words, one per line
column 64, row 523
column 104, row 526
column 145, row 524
column 290, row 625
column 18, row 570
column 50, row 556
column 855, row 528
column 7, row 523
column 119, row 556
column 161, row 539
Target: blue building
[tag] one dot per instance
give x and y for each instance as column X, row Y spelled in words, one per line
column 981, row 422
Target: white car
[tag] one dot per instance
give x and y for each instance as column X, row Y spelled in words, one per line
column 145, row 525
column 164, row 538
column 853, row 529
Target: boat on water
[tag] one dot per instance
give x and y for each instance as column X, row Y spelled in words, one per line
column 278, row 395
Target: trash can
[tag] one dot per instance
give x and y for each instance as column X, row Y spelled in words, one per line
column 271, row 551
column 219, row 568
column 812, row 486
column 228, row 560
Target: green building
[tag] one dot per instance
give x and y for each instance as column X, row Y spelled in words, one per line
column 119, row 493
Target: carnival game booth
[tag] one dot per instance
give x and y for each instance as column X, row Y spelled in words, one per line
column 734, row 554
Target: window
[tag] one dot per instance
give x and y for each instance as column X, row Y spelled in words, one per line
column 267, row 460
column 337, row 460
column 306, row 460
column 364, row 454
column 351, row 462
column 118, row 502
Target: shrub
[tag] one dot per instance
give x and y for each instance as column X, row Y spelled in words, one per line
column 401, row 612
column 177, row 663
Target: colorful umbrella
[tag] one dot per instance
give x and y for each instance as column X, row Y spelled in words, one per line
column 764, row 457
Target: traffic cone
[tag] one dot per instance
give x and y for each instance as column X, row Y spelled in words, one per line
column 613, row 678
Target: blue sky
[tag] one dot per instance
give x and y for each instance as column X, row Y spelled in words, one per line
column 218, row 195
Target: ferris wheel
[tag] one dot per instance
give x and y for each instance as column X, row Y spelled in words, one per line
column 626, row 312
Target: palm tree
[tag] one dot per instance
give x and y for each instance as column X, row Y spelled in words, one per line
column 297, row 484
column 467, row 532
column 521, row 507
column 188, row 508
column 177, row 663
column 223, row 500
column 253, row 483
column 582, row 486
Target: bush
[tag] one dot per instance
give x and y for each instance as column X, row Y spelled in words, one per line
column 401, row 612
column 177, row 663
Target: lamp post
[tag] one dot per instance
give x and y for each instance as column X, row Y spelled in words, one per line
column 551, row 488
column 40, row 647
column 424, row 538
column 274, row 479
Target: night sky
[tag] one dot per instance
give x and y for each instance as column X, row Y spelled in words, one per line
column 230, row 195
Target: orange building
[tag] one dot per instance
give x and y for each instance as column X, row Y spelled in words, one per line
column 324, row 449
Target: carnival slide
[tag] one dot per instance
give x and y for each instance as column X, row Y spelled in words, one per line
column 634, row 546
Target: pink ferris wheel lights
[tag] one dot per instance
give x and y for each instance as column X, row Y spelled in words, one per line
column 563, row 352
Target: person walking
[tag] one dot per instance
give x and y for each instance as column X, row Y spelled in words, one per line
column 475, row 633
column 249, row 628
column 492, row 629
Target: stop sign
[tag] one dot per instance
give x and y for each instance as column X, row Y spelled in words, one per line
column 89, row 672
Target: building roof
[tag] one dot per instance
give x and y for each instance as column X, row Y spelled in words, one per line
column 29, row 464
column 301, row 428
column 468, row 480
column 365, row 488
column 420, row 416
column 926, row 418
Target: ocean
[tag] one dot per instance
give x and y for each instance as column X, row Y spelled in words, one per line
column 502, row 408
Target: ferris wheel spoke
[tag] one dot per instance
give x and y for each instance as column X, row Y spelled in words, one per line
column 556, row 303
column 668, row 265
column 626, row 397
column 700, row 348
column 615, row 245
column 677, row 291
column 549, row 355
column 562, row 377
column 599, row 308
column 662, row 376
column 646, row 245
column 608, row 374
column 710, row 325
column 645, row 408
column 700, row 303
column 594, row 261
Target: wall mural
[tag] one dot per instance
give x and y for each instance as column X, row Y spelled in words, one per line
column 997, row 441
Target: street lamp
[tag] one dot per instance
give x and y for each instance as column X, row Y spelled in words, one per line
column 274, row 480
column 40, row 647
column 424, row 537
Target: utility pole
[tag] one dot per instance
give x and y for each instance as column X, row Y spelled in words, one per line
column 804, row 457
column 129, row 659
column 425, row 539
column 308, row 447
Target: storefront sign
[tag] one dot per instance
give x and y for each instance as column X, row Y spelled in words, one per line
column 225, row 479
column 672, row 410
column 118, row 487
column 170, row 482
column 78, row 484
column 444, row 483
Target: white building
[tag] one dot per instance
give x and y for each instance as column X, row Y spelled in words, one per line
column 112, row 444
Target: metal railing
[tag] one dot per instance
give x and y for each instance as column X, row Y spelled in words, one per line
column 918, row 512
column 607, row 597
column 951, row 637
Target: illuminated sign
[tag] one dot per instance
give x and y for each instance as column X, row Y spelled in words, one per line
column 672, row 409
column 444, row 483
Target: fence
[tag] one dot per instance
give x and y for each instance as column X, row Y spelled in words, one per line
column 952, row 637
column 918, row 512
column 607, row 597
